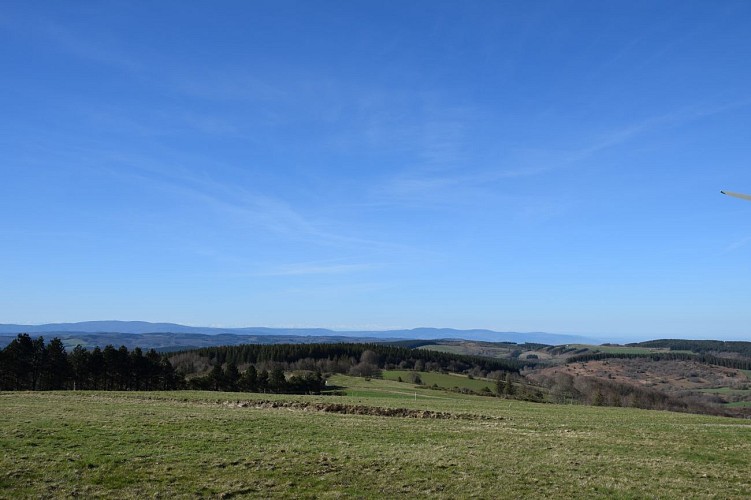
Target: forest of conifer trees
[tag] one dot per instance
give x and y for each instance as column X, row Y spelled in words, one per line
column 31, row 364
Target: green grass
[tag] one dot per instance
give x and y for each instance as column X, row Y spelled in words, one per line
column 472, row 349
column 444, row 380
column 727, row 391
column 453, row 349
column 389, row 389
column 189, row 444
column 739, row 404
column 616, row 349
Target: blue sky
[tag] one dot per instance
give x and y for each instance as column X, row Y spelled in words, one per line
column 518, row 166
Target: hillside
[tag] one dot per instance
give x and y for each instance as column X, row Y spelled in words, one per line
column 103, row 332
column 416, row 421
column 383, row 439
column 704, row 376
column 666, row 377
column 166, row 342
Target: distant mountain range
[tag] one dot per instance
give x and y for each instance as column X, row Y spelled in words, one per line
column 171, row 336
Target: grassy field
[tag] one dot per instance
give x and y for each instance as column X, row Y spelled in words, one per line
column 453, row 349
column 390, row 389
column 188, row 444
column 444, row 380
column 611, row 349
column 727, row 391
column 472, row 349
column 739, row 404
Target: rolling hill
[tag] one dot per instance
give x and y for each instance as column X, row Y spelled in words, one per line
column 175, row 336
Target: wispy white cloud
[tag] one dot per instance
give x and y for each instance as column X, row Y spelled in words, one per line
column 426, row 186
column 152, row 121
column 77, row 45
column 354, row 117
column 737, row 245
column 248, row 208
column 255, row 209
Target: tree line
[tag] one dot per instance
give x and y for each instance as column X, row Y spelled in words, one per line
column 29, row 364
column 275, row 381
column 700, row 346
column 736, row 363
column 354, row 358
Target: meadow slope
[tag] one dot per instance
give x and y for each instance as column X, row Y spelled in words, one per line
column 187, row 444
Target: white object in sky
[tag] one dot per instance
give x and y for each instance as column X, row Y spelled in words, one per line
column 737, row 195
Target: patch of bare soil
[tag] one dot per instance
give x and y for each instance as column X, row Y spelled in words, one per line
column 349, row 409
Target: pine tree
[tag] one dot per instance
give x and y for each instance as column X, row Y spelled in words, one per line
column 169, row 379
column 278, row 381
column 249, row 380
column 216, row 378
column 4, row 375
column 263, row 380
column 57, row 370
column 98, row 368
column 19, row 356
column 508, row 387
column 139, row 369
column 109, row 355
column 80, row 360
column 39, row 360
column 154, row 370
column 232, row 377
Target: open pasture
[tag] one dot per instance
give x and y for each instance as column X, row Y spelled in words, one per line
column 187, row 444
column 390, row 391
column 444, row 380
column 618, row 349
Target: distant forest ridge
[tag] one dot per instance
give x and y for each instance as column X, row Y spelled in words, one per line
column 737, row 363
column 168, row 342
column 383, row 356
column 699, row 346
column 180, row 336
